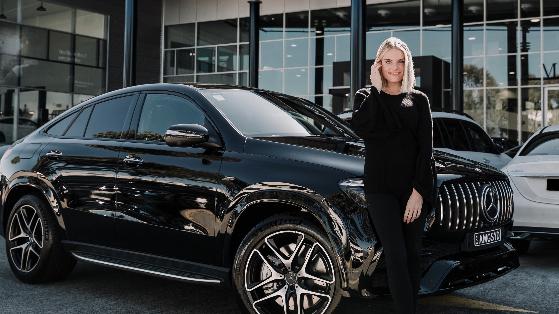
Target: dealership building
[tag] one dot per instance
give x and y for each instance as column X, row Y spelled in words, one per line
column 54, row 54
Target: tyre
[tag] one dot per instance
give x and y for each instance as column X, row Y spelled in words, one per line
column 33, row 246
column 286, row 265
column 522, row 246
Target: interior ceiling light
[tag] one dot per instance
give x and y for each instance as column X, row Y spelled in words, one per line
column 383, row 12
column 41, row 8
column 2, row 15
column 474, row 9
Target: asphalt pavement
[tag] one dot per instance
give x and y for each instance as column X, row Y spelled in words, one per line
column 532, row 288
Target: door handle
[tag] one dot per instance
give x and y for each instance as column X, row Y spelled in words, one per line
column 132, row 160
column 53, row 154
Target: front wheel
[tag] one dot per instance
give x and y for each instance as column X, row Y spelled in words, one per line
column 287, row 265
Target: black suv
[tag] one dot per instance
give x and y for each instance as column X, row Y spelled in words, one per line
column 217, row 184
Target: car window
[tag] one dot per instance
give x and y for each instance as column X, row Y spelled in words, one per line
column 78, row 126
column 548, row 145
column 58, row 128
column 160, row 111
column 479, row 140
column 457, row 138
column 107, row 118
column 438, row 138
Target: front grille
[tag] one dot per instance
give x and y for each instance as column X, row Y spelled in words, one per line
column 460, row 206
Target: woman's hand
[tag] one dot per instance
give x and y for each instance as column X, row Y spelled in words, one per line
column 375, row 77
column 413, row 207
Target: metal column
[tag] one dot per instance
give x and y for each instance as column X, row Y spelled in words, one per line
column 128, row 68
column 358, row 13
column 457, row 55
column 254, row 43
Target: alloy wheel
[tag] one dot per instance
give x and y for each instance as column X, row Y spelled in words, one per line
column 25, row 238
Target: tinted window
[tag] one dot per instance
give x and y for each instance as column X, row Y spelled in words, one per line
column 160, row 111
column 457, row 138
column 479, row 140
column 438, row 139
column 544, row 146
column 78, row 127
column 108, row 118
column 59, row 127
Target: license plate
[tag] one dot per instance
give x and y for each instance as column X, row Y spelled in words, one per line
column 487, row 237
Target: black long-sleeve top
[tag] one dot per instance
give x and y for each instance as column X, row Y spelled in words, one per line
column 398, row 134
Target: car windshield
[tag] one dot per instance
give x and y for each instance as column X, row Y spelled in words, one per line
column 262, row 114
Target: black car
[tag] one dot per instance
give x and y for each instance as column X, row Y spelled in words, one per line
column 217, row 185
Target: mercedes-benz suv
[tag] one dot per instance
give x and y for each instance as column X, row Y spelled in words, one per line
column 230, row 185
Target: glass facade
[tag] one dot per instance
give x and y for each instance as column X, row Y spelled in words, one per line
column 511, row 52
column 52, row 57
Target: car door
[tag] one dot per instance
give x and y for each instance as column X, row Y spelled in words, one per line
column 167, row 195
column 482, row 145
column 81, row 163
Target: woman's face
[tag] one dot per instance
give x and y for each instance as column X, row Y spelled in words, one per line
column 392, row 65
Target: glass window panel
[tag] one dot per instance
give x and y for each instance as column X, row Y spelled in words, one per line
column 271, row 54
column 502, row 10
column 322, row 50
column 473, row 104
column 529, row 8
column 79, row 98
column 457, row 137
column 320, row 80
column 160, row 111
column 550, row 69
column 528, row 35
column 271, row 80
column 436, row 12
column 107, row 119
column 501, row 70
column 550, row 7
column 473, row 72
column 343, row 52
column 243, row 79
column 87, row 49
column 411, row 38
column 529, row 69
column 90, row 81
column 90, row 24
column 502, row 113
column 550, row 34
column 436, row 42
column 8, row 10
column 552, row 114
column 227, row 78
column 205, row 60
column 45, row 75
column 548, row 147
column 46, row 15
column 102, row 52
column 59, row 127
column 271, row 27
column 373, row 43
column 185, row 61
column 244, row 29
column 169, row 62
column 60, row 46
column 473, row 40
column 78, row 126
column 296, row 81
column 9, row 70
column 177, row 36
column 296, row 24
column 501, row 38
column 473, row 11
column 324, row 101
column 217, row 32
column 34, row 42
column 179, row 79
column 57, row 103
column 330, row 21
column 479, row 141
column 244, row 55
column 296, row 52
column 9, row 38
column 531, row 111
column 393, row 15
column 226, row 58
column 28, row 104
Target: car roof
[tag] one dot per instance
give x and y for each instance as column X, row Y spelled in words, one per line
column 450, row 115
column 551, row 128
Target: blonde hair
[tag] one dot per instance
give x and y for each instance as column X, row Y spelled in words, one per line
column 408, row 82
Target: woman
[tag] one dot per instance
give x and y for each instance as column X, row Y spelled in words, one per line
column 395, row 121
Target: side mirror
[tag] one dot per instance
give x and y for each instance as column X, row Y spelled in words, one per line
column 186, row 135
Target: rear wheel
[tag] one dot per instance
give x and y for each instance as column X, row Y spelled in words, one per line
column 33, row 246
column 286, row 265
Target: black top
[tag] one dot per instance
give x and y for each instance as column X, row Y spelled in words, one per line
column 398, row 134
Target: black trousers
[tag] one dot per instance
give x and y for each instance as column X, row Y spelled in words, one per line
column 401, row 243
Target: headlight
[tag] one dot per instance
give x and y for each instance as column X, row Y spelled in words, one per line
column 355, row 190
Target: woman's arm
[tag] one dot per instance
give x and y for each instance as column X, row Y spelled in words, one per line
column 423, row 180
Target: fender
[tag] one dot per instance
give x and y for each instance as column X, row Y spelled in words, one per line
column 297, row 196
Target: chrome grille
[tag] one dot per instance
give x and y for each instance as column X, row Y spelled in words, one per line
column 460, row 206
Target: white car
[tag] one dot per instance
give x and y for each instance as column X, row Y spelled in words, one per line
column 460, row 135
column 534, row 174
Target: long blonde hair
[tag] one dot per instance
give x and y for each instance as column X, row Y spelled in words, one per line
column 408, row 82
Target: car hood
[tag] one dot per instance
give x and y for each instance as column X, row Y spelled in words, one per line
column 349, row 155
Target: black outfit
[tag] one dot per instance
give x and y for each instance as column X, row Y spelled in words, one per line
column 397, row 130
